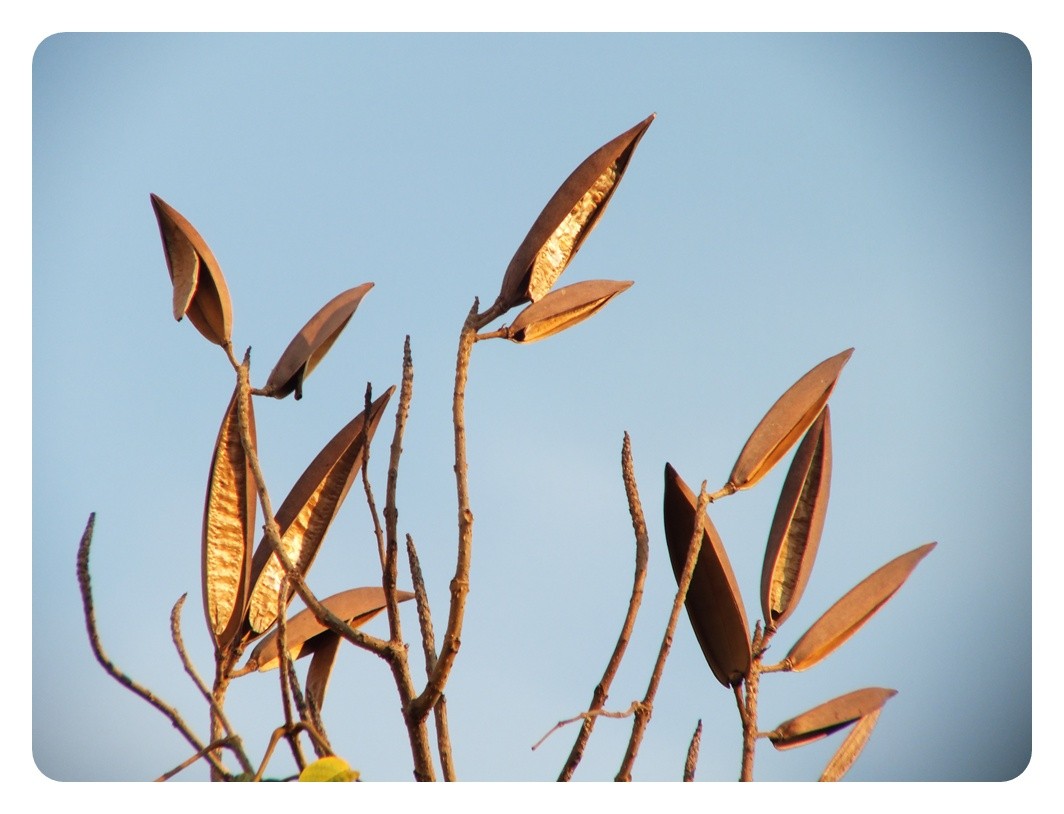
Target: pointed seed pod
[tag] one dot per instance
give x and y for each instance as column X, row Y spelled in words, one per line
column 797, row 525
column 567, row 219
column 564, row 308
column 305, row 515
column 305, row 635
column 849, row 614
column 321, row 664
column 846, row 755
column 312, row 343
column 200, row 291
column 785, row 422
column 228, row 528
column 713, row 602
column 829, row 717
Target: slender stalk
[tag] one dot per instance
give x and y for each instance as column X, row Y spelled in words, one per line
column 692, row 754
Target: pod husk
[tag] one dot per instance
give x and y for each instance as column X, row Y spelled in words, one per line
column 846, row 755
column 321, row 664
column 794, row 537
column 714, row 604
column 312, row 343
column 564, row 308
column 567, row 219
column 200, row 291
column 228, row 528
column 785, row 422
column 307, row 512
column 850, row 613
column 829, row 717
column 305, row 635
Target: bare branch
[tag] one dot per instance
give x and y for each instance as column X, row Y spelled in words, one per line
column 692, row 754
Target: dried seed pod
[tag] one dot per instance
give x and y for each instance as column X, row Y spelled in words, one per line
column 312, row 343
column 713, row 602
column 199, row 287
column 321, row 664
column 228, row 528
column 846, row 616
column 851, row 748
column 785, row 422
column 829, row 717
column 797, row 525
column 305, row 635
column 567, row 219
column 564, row 308
column 306, row 513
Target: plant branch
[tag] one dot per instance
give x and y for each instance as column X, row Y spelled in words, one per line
column 642, row 551
column 692, row 754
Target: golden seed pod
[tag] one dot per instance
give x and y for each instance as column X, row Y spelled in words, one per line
column 200, row 291
column 797, row 525
column 312, row 343
column 305, row 635
column 307, row 512
column 849, row 614
column 567, row 219
column 330, row 769
column 785, row 422
column 851, row 748
column 564, row 308
column 829, row 717
column 228, row 528
column 713, row 602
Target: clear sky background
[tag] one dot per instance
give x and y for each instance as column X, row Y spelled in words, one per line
column 796, row 196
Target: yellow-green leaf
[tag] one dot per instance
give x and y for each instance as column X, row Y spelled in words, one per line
column 849, row 614
column 228, row 528
column 713, row 602
column 331, row 769
column 797, row 525
column 567, row 219
column 200, row 291
column 564, row 308
column 785, row 422
column 312, row 343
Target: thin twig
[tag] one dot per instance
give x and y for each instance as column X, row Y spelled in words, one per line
column 378, row 531
column 692, row 754
column 633, row 708
column 224, row 743
column 642, row 549
column 85, row 584
column 216, row 710
column 642, row 716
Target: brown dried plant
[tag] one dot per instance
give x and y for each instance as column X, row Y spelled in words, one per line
column 246, row 589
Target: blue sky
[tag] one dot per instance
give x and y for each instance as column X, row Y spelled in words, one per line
column 797, row 195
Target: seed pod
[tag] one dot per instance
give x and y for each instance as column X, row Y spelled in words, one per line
column 313, row 342
column 199, row 287
column 851, row 748
column 306, row 513
column 568, row 219
column 228, row 528
column 829, row 717
column 321, row 664
column 797, row 525
column 713, row 602
column 785, row 422
column 305, row 635
column 564, row 308
column 846, row 616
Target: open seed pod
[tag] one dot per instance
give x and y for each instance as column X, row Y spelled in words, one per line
column 564, row 308
column 829, row 717
column 228, row 528
column 567, row 219
column 849, row 614
column 305, row 635
column 713, row 602
column 851, row 748
column 785, row 422
column 199, row 287
column 307, row 512
column 312, row 343
column 797, row 525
